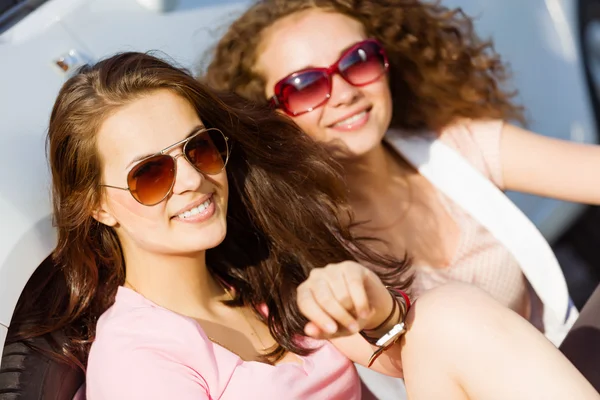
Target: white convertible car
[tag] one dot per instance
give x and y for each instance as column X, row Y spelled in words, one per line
column 553, row 47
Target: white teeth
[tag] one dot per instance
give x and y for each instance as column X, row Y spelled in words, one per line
column 195, row 210
column 352, row 119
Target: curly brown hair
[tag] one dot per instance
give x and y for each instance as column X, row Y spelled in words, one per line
column 287, row 210
column 440, row 71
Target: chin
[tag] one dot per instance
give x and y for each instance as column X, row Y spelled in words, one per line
column 359, row 142
column 360, row 145
column 207, row 237
column 214, row 236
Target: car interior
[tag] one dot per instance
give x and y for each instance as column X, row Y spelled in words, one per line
column 29, row 370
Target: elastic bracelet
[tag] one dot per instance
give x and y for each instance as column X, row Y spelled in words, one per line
column 407, row 303
column 395, row 304
column 364, row 332
column 397, row 331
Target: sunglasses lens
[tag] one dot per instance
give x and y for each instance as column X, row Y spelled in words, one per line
column 308, row 89
column 208, row 151
column 151, row 180
column 304, row 91
column 364, row 64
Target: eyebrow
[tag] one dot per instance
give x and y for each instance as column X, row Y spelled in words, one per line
column 310, row 66
column 143, row 156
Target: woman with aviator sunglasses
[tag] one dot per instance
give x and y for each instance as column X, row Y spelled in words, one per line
column 202, row 270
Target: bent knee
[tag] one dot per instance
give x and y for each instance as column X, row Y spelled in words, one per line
column 455, row 313
column 452, row 300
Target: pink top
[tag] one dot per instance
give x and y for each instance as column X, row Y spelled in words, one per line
column 480, row 259
column 144, row 351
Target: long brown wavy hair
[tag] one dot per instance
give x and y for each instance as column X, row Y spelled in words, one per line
column 287, row 208
column 440, row 71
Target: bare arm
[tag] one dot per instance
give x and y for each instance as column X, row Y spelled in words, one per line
column 359, row 351
column 345, row 294
column 549, row 167
column 462, row 344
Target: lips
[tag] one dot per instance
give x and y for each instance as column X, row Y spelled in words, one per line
column 350, row 118
column 196, row 210
column 353, row 121
column 195, row 205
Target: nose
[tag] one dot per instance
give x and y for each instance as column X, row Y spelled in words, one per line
column 342, row 92
column 188, row 178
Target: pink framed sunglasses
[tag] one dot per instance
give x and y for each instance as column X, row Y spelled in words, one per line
column 304, row 90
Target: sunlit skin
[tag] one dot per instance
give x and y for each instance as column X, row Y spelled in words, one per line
column 289, row 45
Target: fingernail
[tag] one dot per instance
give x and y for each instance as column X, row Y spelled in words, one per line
column 353, row 327
column 331, row 328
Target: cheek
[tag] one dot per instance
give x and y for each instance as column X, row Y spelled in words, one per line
column 133, row 216
column 121, row 200
column 223, row 186
column 385, row 94
column 379, row 90
column 380, row 96
column 310, row 123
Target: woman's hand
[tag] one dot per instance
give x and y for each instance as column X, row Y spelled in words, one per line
column 342, row 299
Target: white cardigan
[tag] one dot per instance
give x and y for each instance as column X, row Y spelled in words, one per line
column 450, row 173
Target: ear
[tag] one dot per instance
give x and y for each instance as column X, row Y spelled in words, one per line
column 103, row 215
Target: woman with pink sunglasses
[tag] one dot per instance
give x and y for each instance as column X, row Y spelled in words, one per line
column 370, row 75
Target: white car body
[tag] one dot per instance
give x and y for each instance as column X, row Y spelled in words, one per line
column 538, row 37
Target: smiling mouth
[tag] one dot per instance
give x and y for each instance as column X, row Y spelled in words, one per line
column 196, row 210
column 351, row 120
